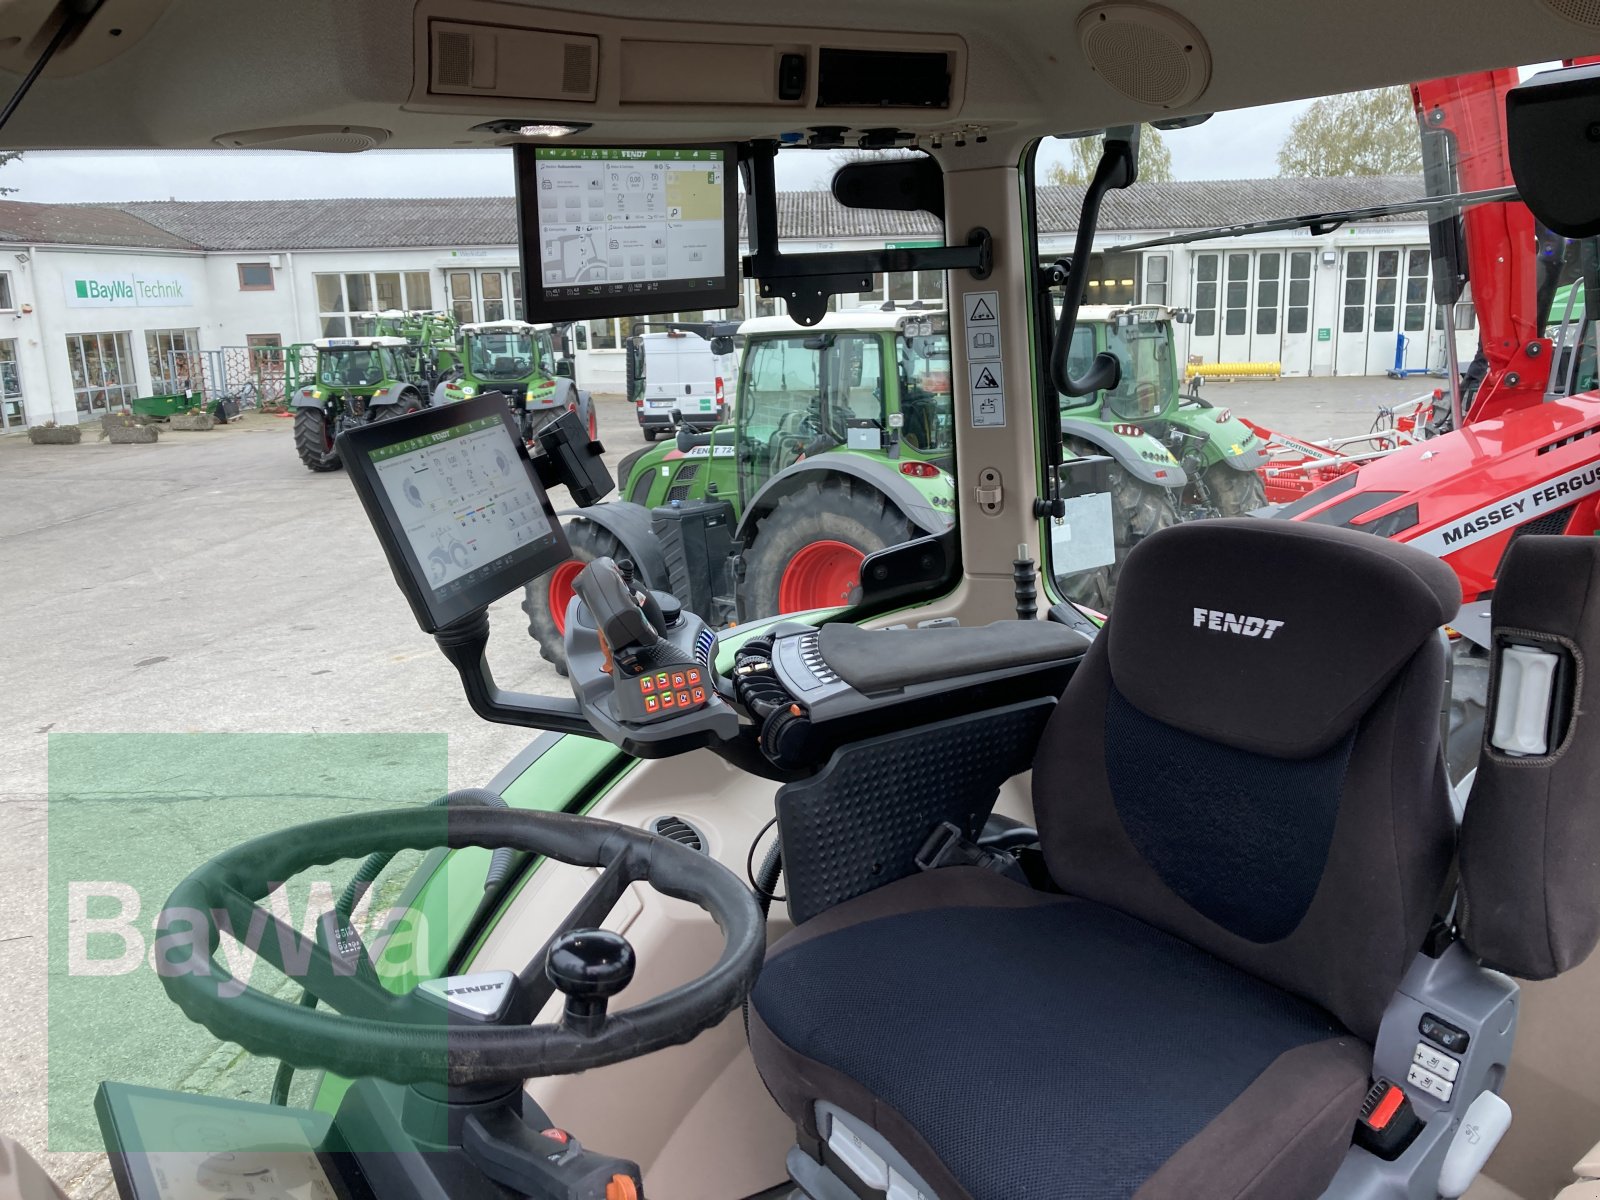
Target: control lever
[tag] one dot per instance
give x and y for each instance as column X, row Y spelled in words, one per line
column 618, row 613
column 588, row 966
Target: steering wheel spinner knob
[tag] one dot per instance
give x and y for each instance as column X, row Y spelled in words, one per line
column 589, row 966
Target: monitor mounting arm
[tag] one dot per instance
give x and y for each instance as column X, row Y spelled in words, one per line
column 805, row 281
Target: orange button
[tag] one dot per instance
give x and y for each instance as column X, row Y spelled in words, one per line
column 694, row 675
column 560, row 1135
column 677, row 679
column 699, row 695
column 652, row 703
column 661, row 680
column 647, row 684
column 666, row 700
column 683, row 699
column 621, row 1187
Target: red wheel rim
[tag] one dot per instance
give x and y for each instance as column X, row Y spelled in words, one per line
column 594, row 434
column 561, row 591
column 821, row 575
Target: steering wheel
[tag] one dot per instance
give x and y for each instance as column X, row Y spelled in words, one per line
column 409, row 1038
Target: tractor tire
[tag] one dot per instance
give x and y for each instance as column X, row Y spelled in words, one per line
column 1234, row 493
column 408, row 403
column 1137, row 510
column 808, row 550
column 545, row 598
column 649, row 435
column 311, row 440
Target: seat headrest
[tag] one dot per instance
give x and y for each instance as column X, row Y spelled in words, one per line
column 1270, row 636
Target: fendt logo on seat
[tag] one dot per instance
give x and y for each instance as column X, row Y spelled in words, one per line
column 1243, row 626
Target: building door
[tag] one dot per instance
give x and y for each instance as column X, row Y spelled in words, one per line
column 1205, row 332
column 1266, row 318
column 1355, row 298
column 1298, row 315
column 1236, row 296
column 174, row 356
column 13, row 415
column 267, row 364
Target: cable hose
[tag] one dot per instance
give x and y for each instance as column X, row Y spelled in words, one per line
column 500, row 864
column 765, row 884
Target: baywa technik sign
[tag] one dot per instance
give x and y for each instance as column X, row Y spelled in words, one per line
column 129, row 291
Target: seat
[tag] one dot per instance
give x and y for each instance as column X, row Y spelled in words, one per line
column 1242, row 800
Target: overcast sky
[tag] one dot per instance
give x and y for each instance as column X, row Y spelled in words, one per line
column 1238, row 145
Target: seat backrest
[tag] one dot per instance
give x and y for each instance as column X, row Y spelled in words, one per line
column 1249, row 755
column 1530, row 840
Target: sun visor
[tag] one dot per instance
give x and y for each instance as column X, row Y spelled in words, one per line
column 1553, row 136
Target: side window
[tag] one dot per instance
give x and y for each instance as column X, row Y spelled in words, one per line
column 859, row 393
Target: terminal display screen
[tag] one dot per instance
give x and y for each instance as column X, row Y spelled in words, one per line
column 620, row 231
column 456, row 505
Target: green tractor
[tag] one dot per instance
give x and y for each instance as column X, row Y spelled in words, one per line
column 529, row 364
column 1175, row 457
column 840, row 446
column 358, row 380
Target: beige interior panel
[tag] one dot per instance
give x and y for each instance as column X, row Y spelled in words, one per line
column 659, row 72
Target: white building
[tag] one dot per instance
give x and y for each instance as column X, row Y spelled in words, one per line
column 102, row 303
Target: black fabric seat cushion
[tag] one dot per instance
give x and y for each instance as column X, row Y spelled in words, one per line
column 1014, row 1045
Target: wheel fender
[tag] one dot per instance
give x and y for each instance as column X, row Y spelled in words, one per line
column 924, row 516
column 1122, row 452
column 390, row 395
column 629, row 524
column 304, row 399
column 1226, row 436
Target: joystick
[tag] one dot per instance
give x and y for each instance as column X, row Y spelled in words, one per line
column 589, row 966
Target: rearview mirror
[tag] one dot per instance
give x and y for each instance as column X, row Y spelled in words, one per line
column 721, row 345
column 564, row 368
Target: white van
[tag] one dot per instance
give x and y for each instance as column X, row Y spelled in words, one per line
column 677, row 371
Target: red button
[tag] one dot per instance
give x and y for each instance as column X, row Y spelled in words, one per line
column 677, row 679
column 1386, row 1108
column 661, row 680
column 666, row 700
column 683, row 699
column 699, row 695
column 694, row 676
column 652, row 703
column 560, row 1135
column 647, row 684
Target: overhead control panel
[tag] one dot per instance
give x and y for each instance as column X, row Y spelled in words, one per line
column 572, row 66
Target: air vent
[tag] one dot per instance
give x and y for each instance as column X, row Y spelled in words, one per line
column 1146, row 53
column 1580, row 12
column 577, row 69
column 452, row 60
column 1567, row 441
column 676, row 829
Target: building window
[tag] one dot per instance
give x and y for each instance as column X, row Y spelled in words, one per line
column 1205, row 295
column 174, row 356
column 102, row 372
column 1269, row 265
column 256, row 277
column 1238, row 294
column 1387, row 293
column 7, row 304
column 341, row 298
column 1355, row 291
column 1419, row 275
column 12, row 413
column 1156, row 268
column 1298, row 319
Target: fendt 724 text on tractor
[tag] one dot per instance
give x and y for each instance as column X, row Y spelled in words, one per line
column 937, row 889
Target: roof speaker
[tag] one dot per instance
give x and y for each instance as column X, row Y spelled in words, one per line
column 1579, row 12
column 328, row 139
column 1152, row 55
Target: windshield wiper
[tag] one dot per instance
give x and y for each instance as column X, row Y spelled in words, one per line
column 1324, row 223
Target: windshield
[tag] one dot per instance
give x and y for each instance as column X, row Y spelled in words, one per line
column 354, row 366
column 501, row 354
column 1144, row 349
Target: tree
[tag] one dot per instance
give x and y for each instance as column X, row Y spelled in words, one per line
column 5, row 157
column 1358, row 133
column 1155, row 160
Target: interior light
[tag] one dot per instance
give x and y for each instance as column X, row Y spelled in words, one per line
column 551, row 129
